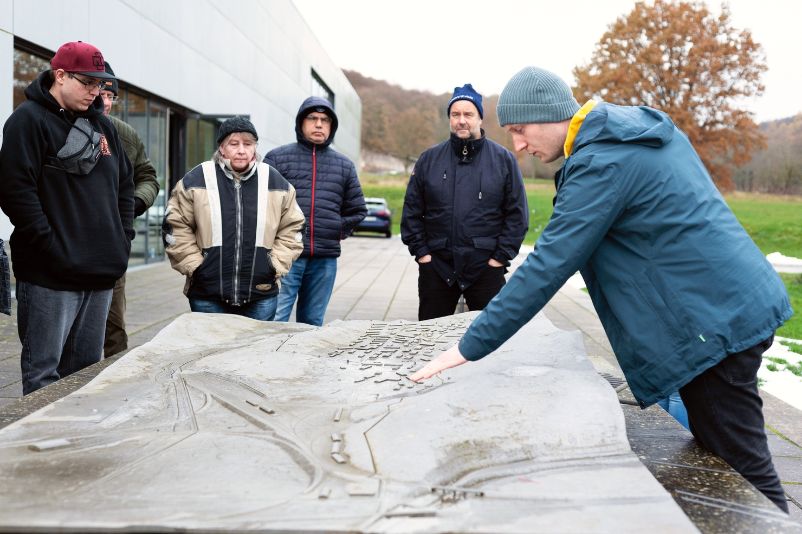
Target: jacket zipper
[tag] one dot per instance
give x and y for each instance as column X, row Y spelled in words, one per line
column 237, row 243
column 312, row 211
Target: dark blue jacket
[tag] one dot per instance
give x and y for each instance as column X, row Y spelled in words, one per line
column 676, row 280
column 326, row 185
column 465, row 209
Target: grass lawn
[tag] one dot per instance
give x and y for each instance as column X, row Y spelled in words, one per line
column 793, row 328
column 773, row 222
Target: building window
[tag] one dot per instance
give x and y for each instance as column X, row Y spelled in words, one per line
column 200, row 140
column 27, row 67
column 319, row 88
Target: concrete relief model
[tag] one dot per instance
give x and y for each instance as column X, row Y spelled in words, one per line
column 223, row 423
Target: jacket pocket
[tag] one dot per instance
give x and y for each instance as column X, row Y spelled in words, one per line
column 655, row 315
column 485, row 243
column 202, row 272
column 438, row 243
column 264, row 275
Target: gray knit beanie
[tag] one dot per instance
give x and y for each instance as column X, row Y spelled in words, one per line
column 535, row 95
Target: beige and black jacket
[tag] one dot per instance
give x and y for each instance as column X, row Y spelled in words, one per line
column 232, row 238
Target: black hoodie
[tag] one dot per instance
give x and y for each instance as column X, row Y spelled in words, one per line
column 71, row 232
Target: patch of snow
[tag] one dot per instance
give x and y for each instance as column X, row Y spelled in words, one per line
column 576, row 281
column 782, row 383
column 784, row 264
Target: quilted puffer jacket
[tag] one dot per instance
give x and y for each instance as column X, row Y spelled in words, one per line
column 326, row 185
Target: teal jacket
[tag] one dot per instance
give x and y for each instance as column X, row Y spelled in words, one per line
column 675, row 279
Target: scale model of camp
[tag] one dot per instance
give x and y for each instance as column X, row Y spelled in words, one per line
column 224, row 423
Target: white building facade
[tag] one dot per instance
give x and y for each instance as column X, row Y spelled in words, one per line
column 184, row 66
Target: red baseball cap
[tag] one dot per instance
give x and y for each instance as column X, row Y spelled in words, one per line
column 81, row 58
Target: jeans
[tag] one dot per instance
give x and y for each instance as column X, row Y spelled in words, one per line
column 674, row 406
column 311, row 280
column 725, row 413
column 261, row 310
column 438, row 299
column 61, row 332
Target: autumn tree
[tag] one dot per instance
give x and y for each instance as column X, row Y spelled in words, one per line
column 679, row 58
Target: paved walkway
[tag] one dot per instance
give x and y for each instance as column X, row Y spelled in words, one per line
column 377, row 279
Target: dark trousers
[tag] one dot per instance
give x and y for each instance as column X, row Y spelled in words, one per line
column 725, row 413
column 116, row 337
column 437, row 299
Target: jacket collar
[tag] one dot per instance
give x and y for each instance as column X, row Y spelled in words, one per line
column 576, row 123
column 231, row 174
column 466, row 149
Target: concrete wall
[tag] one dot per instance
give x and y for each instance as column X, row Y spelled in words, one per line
column 215, row 57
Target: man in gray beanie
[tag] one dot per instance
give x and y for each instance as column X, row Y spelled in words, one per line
column 465, row 213
column 687, row 300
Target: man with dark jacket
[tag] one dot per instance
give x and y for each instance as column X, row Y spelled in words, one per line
column 146, row 188
column 687, row 300
column 67, row 188
column 330, row 196
column 465, row 213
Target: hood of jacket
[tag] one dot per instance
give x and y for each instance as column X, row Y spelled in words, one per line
column 304, row 110
column 39, row 92
column 619, row 124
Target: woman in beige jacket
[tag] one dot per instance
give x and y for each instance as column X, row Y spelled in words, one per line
column 233, row 228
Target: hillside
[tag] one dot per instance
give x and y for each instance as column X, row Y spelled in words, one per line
column 403, row 123
column 778, row 168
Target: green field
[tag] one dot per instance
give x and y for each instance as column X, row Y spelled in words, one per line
column 793, row 328
column 774, row 222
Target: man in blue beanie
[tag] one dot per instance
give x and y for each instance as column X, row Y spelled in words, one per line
column 687, row 300
column 465, row 213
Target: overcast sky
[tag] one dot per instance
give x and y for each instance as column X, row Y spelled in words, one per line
column 436, row 45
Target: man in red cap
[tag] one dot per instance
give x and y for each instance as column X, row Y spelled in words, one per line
column 67, row 188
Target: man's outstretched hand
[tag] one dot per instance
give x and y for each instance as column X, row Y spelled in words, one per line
column 445, row 360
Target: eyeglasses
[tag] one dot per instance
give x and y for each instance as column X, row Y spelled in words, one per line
column 108, row 95
column 100, row 84
column 325, row 119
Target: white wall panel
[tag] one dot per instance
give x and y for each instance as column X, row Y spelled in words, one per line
column 213, row 57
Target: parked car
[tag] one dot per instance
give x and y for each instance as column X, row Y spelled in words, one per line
column 379, row 218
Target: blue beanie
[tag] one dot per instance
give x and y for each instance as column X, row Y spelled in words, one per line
column 466, row 92
column 535, row 95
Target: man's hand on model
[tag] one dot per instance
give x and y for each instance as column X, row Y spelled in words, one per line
column 494, row 263
column 445, row 360
column 425, row 259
